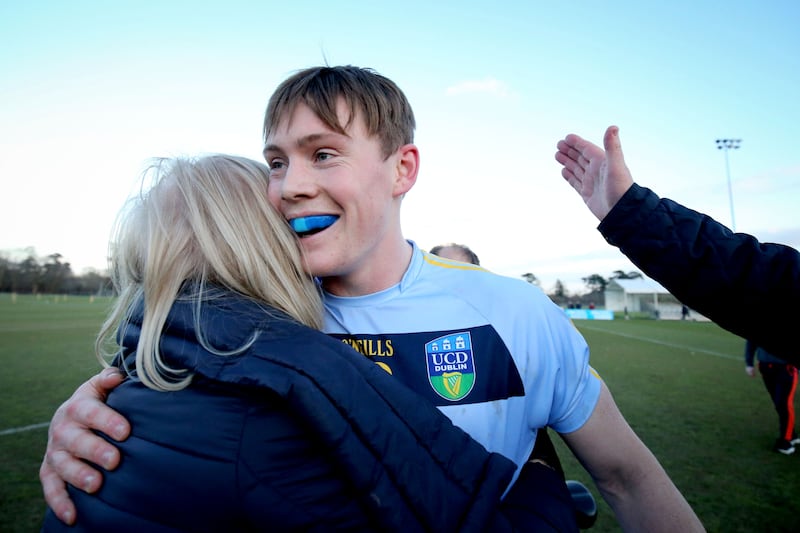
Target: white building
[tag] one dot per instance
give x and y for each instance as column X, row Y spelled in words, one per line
column 644, row 295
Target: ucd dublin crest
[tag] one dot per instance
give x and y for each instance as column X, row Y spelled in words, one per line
column 451, row 366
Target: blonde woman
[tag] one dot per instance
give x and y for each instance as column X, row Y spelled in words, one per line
column 243, row 415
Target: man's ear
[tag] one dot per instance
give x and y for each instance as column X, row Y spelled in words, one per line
column 407, row 168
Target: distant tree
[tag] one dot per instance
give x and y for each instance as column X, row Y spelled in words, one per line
column 559, row 294
column 619, row 274
column 92, row 282
column 595, row 282
column 54, row 274
column 11, row 277
column 530, row 278
column 559, row 290
column 5, row 278
column 30, row 273
column 49, row 275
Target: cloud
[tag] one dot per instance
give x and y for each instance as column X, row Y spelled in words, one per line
column 485, row 86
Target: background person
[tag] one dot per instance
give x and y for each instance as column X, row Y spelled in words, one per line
column 243, row 416
column 732, row 278
column 339, row 144
column 780, row 379
column 457, row 252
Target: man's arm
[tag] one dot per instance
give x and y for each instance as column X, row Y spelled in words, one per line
column 627, row 474
column 70, row 439
column 732, row 278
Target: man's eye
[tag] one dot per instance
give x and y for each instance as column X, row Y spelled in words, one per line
column 323, row 156
column 275, row 164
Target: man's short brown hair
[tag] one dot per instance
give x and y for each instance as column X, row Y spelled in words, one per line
column 386, row 111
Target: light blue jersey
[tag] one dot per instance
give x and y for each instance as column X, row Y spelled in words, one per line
column 492, row 352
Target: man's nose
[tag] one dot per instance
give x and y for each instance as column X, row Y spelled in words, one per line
column 298, row 182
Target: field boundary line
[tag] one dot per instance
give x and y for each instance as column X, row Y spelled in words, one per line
column 664, row 343
column 22, row 429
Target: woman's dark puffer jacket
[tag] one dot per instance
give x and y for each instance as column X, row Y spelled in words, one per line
column 298, row 432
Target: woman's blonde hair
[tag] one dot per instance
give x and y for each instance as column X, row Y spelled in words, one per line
column 205, row 221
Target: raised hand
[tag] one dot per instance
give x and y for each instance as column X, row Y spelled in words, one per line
column 600, row 177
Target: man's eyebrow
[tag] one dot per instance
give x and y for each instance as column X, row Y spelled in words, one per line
column 271, row 148
column 306, row 140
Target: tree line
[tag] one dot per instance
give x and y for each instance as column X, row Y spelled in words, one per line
column 595, row 288
column 52, row 275
column 48, row 275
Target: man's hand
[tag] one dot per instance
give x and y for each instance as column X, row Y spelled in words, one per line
column 600, row 177
column 70, row 439
column 751, row 371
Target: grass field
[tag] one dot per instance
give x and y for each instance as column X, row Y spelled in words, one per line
column 681, row 385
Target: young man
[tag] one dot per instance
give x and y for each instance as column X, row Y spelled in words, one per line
column 732, row 278
column 492, row 352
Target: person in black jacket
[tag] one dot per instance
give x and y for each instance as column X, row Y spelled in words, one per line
column 780, row 379
column 245, row 417
column 729, row 277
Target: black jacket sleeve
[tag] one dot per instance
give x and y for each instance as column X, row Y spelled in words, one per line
column 747, row 287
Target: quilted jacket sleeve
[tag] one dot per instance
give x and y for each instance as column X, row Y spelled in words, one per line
column 747, row 287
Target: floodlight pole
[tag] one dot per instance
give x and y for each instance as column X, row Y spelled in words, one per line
column 728, row 144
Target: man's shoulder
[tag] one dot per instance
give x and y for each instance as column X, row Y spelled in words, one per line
column 453, row 275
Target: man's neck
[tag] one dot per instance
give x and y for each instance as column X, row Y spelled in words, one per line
column 377, row 276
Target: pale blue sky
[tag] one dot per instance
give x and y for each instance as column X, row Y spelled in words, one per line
column 90, row 90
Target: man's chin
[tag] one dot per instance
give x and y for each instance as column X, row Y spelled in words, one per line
column 318, row 265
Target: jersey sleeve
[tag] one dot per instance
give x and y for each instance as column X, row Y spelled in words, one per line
column 560, row 367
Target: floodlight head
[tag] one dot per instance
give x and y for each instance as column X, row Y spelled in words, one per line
column 728, row 143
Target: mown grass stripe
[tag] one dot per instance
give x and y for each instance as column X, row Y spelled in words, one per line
column 690, row 349
column 22, row 429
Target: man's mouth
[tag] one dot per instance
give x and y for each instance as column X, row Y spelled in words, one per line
column 305, row 226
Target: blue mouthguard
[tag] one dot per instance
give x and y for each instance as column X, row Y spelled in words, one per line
column 306, row 224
